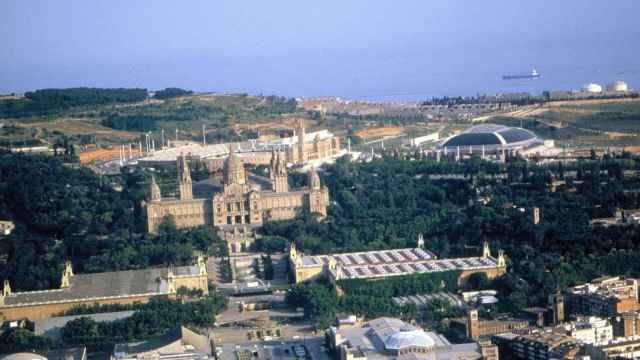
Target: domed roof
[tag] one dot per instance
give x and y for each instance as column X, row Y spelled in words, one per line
column 490, row 134
column 408, row 337
column 233, row 168
column 24, row 356
column 233, row 160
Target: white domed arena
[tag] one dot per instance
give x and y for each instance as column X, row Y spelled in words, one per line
column 491, row 138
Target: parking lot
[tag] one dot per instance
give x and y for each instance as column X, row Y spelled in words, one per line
column 310, row 348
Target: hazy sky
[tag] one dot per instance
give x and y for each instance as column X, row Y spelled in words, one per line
column 352, row 48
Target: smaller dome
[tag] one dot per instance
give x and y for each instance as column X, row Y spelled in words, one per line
column 408, row 337
column 24, row 356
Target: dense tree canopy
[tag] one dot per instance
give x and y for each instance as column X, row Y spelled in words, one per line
column 371, row 299
column 51, row 101
column 67, row 213
column 170, row 93
column 386, row 203
column 158, row 317
column 155, row 318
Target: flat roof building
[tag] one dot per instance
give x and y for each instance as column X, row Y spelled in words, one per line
column 180, row 343
column 381, row 264
column 605, row 296
column 117, row 287
column 539, row 345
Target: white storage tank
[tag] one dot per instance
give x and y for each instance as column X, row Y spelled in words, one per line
column 592, row 88
column 619, row 86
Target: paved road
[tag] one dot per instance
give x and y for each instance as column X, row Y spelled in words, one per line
column 233, row 313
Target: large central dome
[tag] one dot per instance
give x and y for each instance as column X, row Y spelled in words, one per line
column 492, row 136
column 233, row 168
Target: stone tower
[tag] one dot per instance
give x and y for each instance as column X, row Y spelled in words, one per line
column 314, row 180
column 318, row 194
column 502, row 260
column 472, row 324
column 67, row 274
column 536, row 215
column 486, row 251
column 278, row 173
column 184, row 179
column 302, row 155
column 6, row 290
column 234, row 169
column 556, row 301
column 154, row 190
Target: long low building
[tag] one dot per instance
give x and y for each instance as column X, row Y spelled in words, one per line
column 315, row 147
column 118, row 287
column 387, row 263
column 422, row 300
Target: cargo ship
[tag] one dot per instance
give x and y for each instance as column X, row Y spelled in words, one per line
column 533, row 75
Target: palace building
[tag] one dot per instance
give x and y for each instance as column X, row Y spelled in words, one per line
column 118, row 287
column 240, row 202
column 380, row 264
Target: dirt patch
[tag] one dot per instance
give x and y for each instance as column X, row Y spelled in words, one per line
column 618, row 135
column 379, row 132
column 573, row 110
column 280, row 125
column 149, row 101
column 99, row 155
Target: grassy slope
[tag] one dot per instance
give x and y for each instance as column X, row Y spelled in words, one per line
column 614, row 124
column 187, row 113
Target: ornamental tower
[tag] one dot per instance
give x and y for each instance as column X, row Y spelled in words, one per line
column 318, row 194
column 67, row 274
column 154, row 190
column 502, row 261
column 486, row 252
column 314, row 180
column 6, row 290
column 302, row 155
column 184, row 179
column 278, row 173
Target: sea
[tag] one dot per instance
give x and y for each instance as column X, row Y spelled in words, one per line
column 432, row 84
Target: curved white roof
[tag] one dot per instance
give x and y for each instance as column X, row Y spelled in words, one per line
column 492, row 135
column 408, row 338
column 24, row 356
